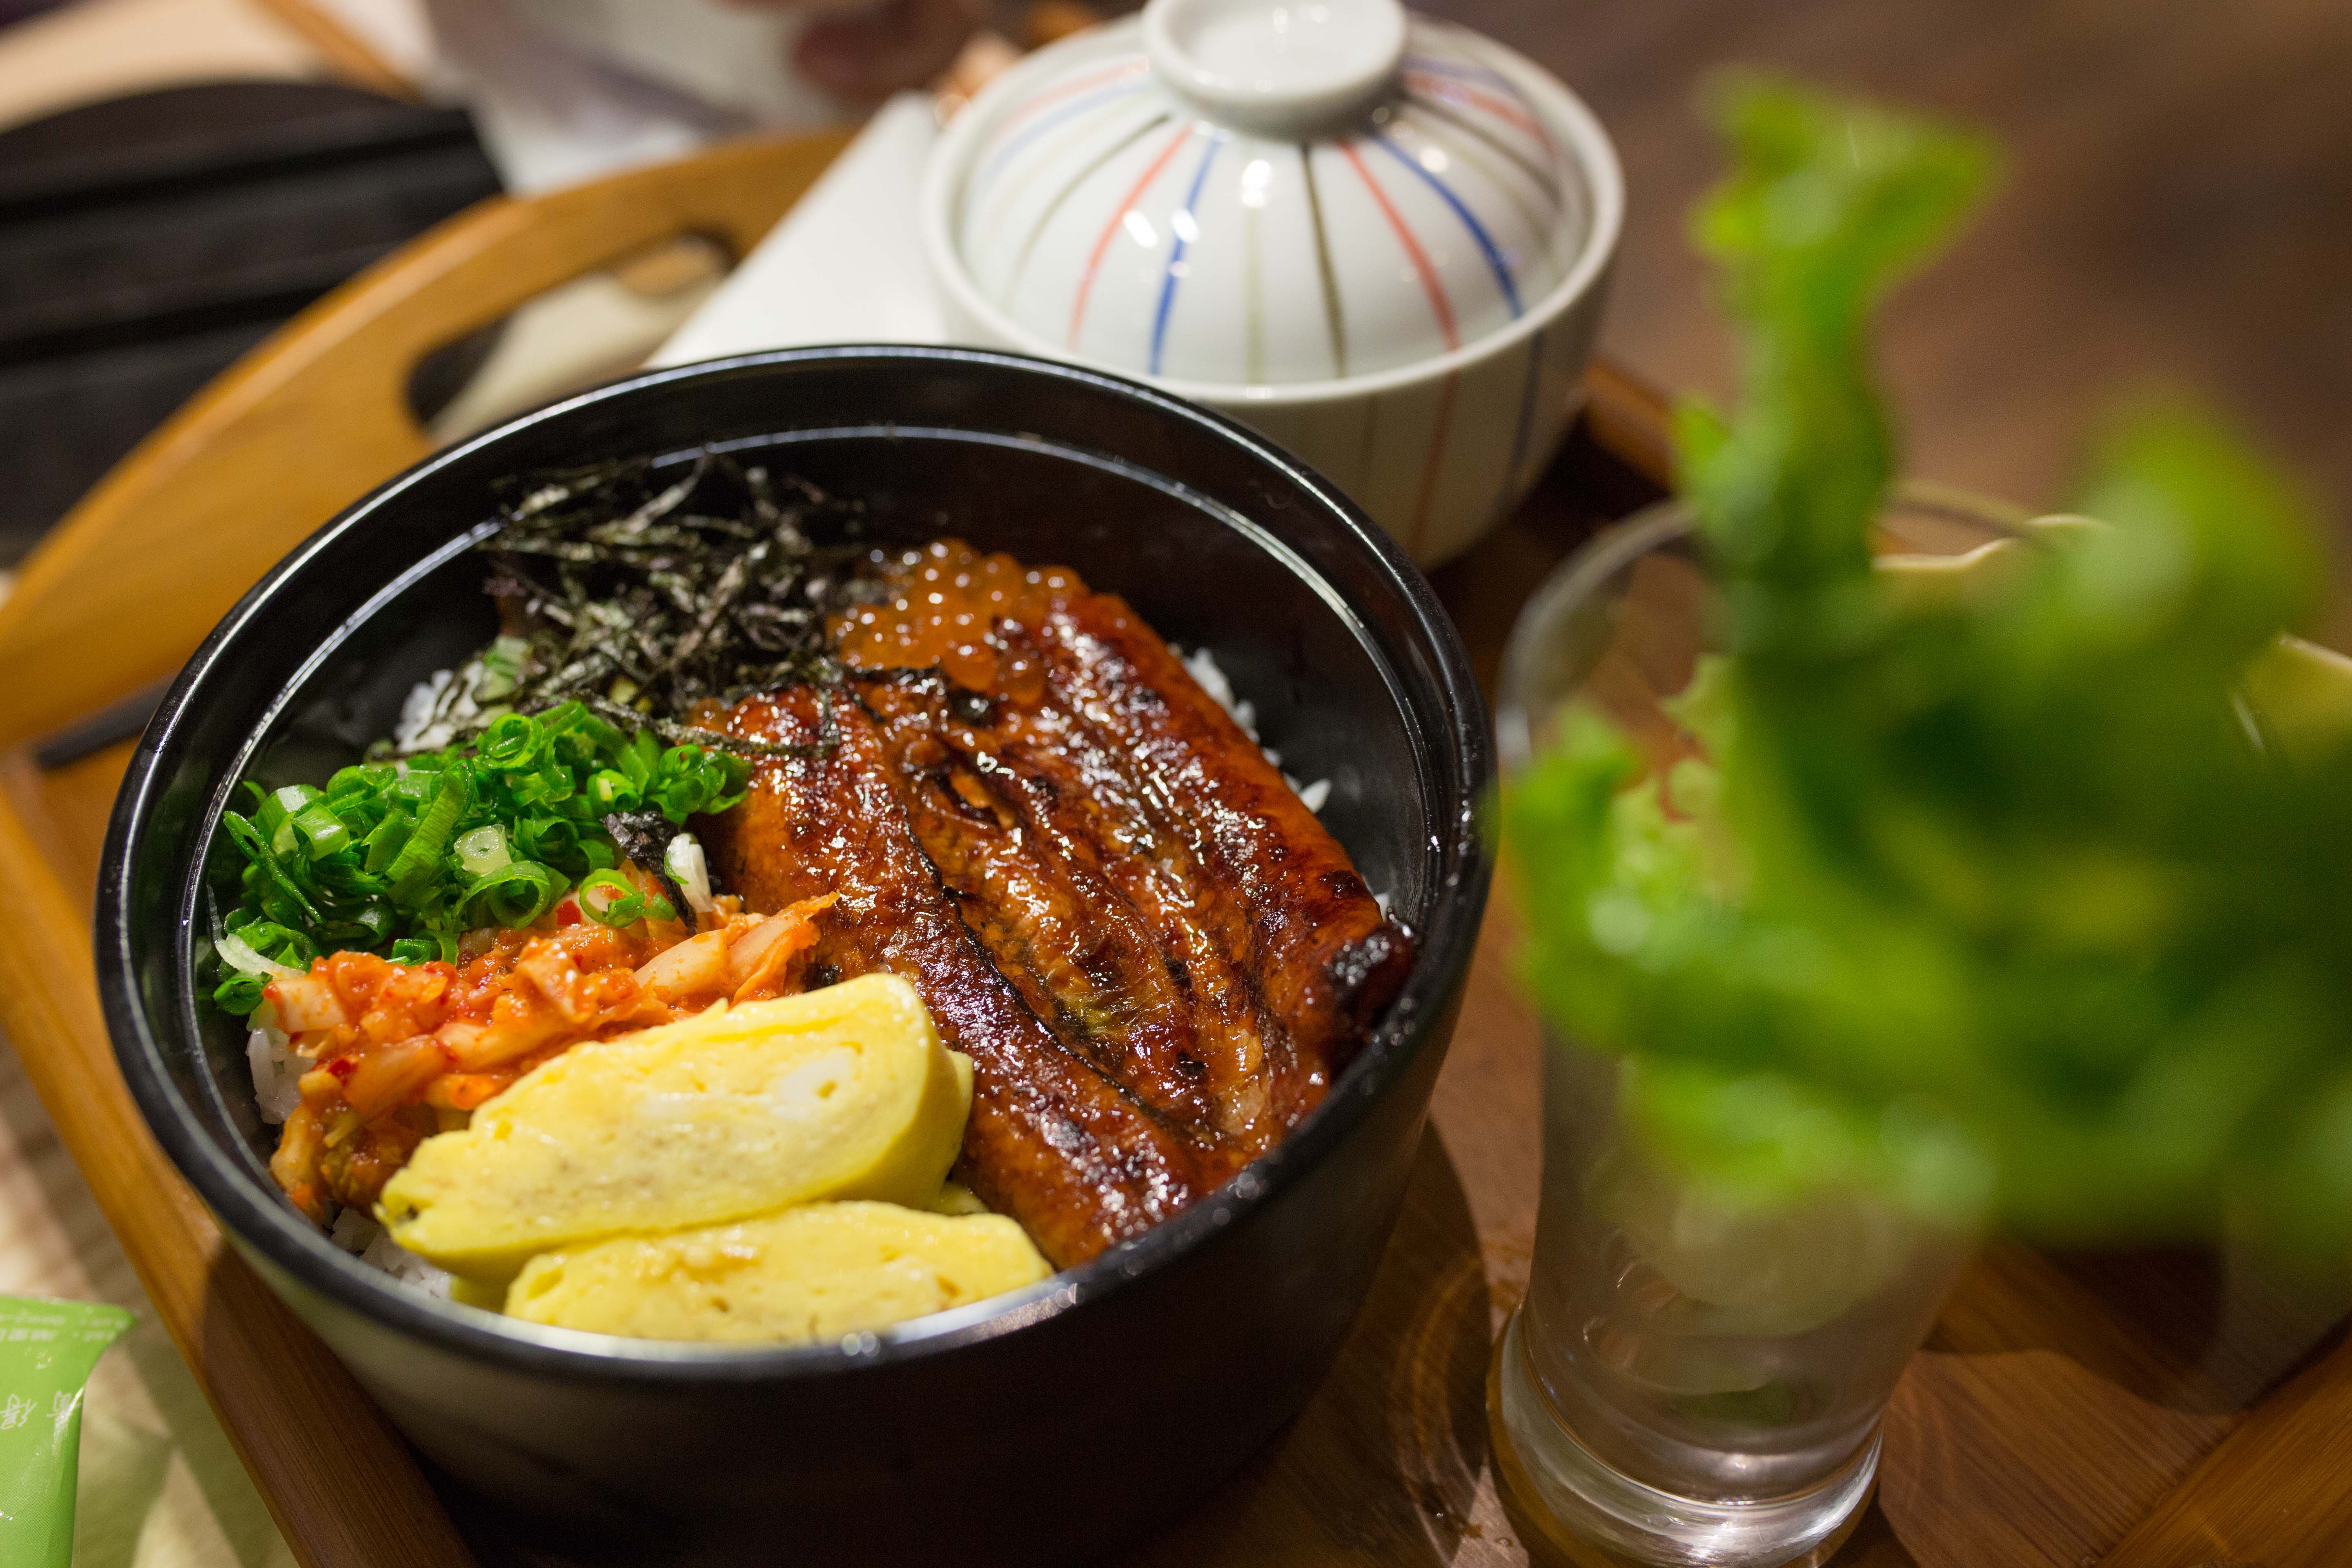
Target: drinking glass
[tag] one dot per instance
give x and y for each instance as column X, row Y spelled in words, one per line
column 1693, row 1378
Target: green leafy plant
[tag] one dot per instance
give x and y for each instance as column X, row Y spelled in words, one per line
column 2012, row 902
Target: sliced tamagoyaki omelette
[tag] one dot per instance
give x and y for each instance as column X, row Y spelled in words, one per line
column 842, row 1092
column 805, row 1275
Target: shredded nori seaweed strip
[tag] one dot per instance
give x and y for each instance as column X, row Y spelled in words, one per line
column 653, row 595
column 644, row 837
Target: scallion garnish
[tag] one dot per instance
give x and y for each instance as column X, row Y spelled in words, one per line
column 403, row 860
column 609, row 899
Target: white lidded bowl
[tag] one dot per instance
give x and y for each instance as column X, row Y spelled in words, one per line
column 1380, row 239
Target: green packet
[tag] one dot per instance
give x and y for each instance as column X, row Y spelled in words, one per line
column 46, row 1352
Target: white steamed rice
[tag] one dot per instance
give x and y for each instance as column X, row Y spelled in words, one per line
column 276, row 1072
column 356, row 1233
column 1203, row 666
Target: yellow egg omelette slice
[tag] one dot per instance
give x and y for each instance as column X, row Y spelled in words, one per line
column 844, row 1092
column 805, row 1276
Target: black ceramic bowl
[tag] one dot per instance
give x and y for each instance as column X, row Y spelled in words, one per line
column 1041, row 1426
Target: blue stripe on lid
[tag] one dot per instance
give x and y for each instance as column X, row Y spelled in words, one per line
column 1486, row 246
column 1176, row 251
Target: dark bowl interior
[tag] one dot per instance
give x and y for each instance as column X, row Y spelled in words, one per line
column 1217, row 538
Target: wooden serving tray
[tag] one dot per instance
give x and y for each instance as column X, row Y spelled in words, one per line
column 2131, row 1409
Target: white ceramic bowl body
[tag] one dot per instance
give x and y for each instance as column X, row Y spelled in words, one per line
column 1407, row 302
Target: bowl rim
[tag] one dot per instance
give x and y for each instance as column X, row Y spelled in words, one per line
column 1582, row 137
column 266, row 1229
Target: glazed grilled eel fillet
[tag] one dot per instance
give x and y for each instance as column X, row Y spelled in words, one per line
column 1155, row 956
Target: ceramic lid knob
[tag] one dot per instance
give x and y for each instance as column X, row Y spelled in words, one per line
column 1276, row 67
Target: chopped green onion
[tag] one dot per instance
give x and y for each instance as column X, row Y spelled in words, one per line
column 247, row 972
column 366, row 927
column 404, row 859
column 609, row 791
column 608, row 898
column 735, row 773
column 386, row 840
column 514, row 743
column 277, row 816
column 545, row 787
column 515, row 895
column 275, row 944
column 321, row 831
column 361, row 783
column 410, row 871
column 640, row 757
column 276, row 885
column 586, row 734
column 482, row 851
column 238, row 993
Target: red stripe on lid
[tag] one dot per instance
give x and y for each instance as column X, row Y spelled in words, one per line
column 1430, row 282
column 1118, row 216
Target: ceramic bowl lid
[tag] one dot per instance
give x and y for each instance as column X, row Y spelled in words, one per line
column 1260, row 193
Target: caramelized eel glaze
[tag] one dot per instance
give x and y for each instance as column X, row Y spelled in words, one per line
column 1156, row 956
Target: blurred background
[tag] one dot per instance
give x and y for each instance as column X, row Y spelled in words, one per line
column 179, row 176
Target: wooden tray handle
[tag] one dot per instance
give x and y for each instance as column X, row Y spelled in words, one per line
column 318, row 413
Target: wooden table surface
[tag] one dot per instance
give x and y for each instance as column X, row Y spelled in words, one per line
column 2177, row 208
